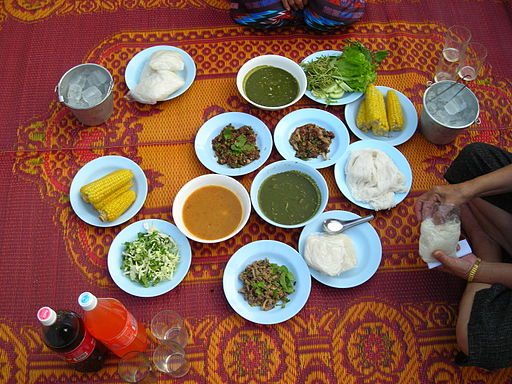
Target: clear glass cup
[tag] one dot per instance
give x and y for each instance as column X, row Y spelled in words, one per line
column 168, row 326
column 455, row 44
column 135, row 367
column 170, row 359
column 471, row 63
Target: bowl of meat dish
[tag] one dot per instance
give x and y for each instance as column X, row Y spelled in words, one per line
column 211, row 208
column 289, row 194
column 271, row 82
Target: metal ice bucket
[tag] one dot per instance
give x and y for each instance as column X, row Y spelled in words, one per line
column 88, row 115
column 448, row 108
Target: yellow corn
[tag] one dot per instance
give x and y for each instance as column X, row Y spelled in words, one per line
column 122, row 189
column 99, row 189
column 115, row 208
column 394, row 111
column 361, row 120
column 376, row 111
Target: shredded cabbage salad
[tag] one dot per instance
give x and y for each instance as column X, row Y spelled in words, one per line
column 151, row 258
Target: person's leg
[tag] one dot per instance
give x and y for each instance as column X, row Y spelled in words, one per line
column 331, row 14
column 261, row 13
column 465, row 306
column 494, row 221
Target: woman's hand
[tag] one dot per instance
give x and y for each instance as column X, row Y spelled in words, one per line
column 294, row 4
column 442, row 194
column 456, row 266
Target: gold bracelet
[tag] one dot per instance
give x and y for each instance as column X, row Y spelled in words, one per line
column 474, row 269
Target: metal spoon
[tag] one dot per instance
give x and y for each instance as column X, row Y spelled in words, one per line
column 335, row 226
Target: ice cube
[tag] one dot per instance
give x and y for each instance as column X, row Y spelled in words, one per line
column 78, row 79
column 92, row 96
column 455, row 105
column 97, row 78
column 74, row 93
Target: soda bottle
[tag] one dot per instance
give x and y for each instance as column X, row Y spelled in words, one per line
column 64, row 332
column 109, row 321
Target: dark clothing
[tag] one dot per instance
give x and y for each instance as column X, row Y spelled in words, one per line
column 490, row 323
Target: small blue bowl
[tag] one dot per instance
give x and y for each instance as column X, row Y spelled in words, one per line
column 285, row 166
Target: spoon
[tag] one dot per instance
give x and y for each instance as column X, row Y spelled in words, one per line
column 335, row 226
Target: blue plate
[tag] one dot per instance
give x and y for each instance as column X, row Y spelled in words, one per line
column 136, row 65
column 324, row 119
column 213, row 127
column 129, row 233
column 394, row 137
column 275, row 252
column 366, row 243
column 395, row 155
column 285, row 166
column 348, row 97
column 100, row 167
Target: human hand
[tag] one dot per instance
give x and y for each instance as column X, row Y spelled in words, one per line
column 456, row 266
column 294, row 4
column 442, row 194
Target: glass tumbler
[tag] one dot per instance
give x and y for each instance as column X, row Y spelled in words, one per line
column 170, row 359
column 168, row 326
column 135, row 367
column 456, row 40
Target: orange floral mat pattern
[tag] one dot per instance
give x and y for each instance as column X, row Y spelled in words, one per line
column 396, row 328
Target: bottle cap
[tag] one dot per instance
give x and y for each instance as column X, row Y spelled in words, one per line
column 87, row 301
column 46, row 316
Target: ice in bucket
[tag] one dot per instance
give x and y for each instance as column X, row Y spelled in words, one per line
column 87, row 91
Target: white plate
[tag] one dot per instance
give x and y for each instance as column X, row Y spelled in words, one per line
column 275, row 252
column 366, row 243
column 136, row 65
column 129, row 233
column 100, row 167
column 348, row 97
column 395, row 137
column 324, row 119
column 395, row 155
column 212, row 128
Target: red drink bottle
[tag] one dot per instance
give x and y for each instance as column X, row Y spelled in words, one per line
column 109, row 321
column 64, row 332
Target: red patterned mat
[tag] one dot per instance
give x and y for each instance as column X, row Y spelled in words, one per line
column 396, row 328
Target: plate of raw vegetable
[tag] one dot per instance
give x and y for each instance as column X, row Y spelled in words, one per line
column 149, row 258
column 341, row 77
column 108, row 191
column 399, row 129
column 266, row 282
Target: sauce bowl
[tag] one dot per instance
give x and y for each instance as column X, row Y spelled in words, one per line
column 285, row 166
column 273, row 61
column 205, row 181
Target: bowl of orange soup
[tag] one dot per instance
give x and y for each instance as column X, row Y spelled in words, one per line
column 211, row 208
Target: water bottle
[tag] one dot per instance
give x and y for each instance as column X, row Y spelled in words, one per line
column 109, row 321
column 64, row 332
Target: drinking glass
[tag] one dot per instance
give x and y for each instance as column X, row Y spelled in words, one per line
column 170, row 359
column 168, row 326
column 472, row 62
column 135, row 367
column 456, row 40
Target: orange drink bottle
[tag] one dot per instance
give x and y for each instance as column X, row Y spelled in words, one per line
column 109, row 321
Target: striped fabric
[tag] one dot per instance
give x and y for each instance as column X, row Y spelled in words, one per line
column 318, row 14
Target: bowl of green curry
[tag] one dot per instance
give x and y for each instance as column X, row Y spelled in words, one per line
column 271, row 82
column 289, row 194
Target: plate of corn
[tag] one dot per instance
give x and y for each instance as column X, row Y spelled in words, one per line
column 383, row 114
column 108, row 191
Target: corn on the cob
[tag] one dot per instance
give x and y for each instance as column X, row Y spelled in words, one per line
column 117, row 206
column 122, row 189
column 394, row 111
column 361, row 119
column 99, row 189
column 376, row 111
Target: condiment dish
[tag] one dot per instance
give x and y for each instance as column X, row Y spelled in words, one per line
column 271, row 61
column 284, row 166
column 216, row 213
